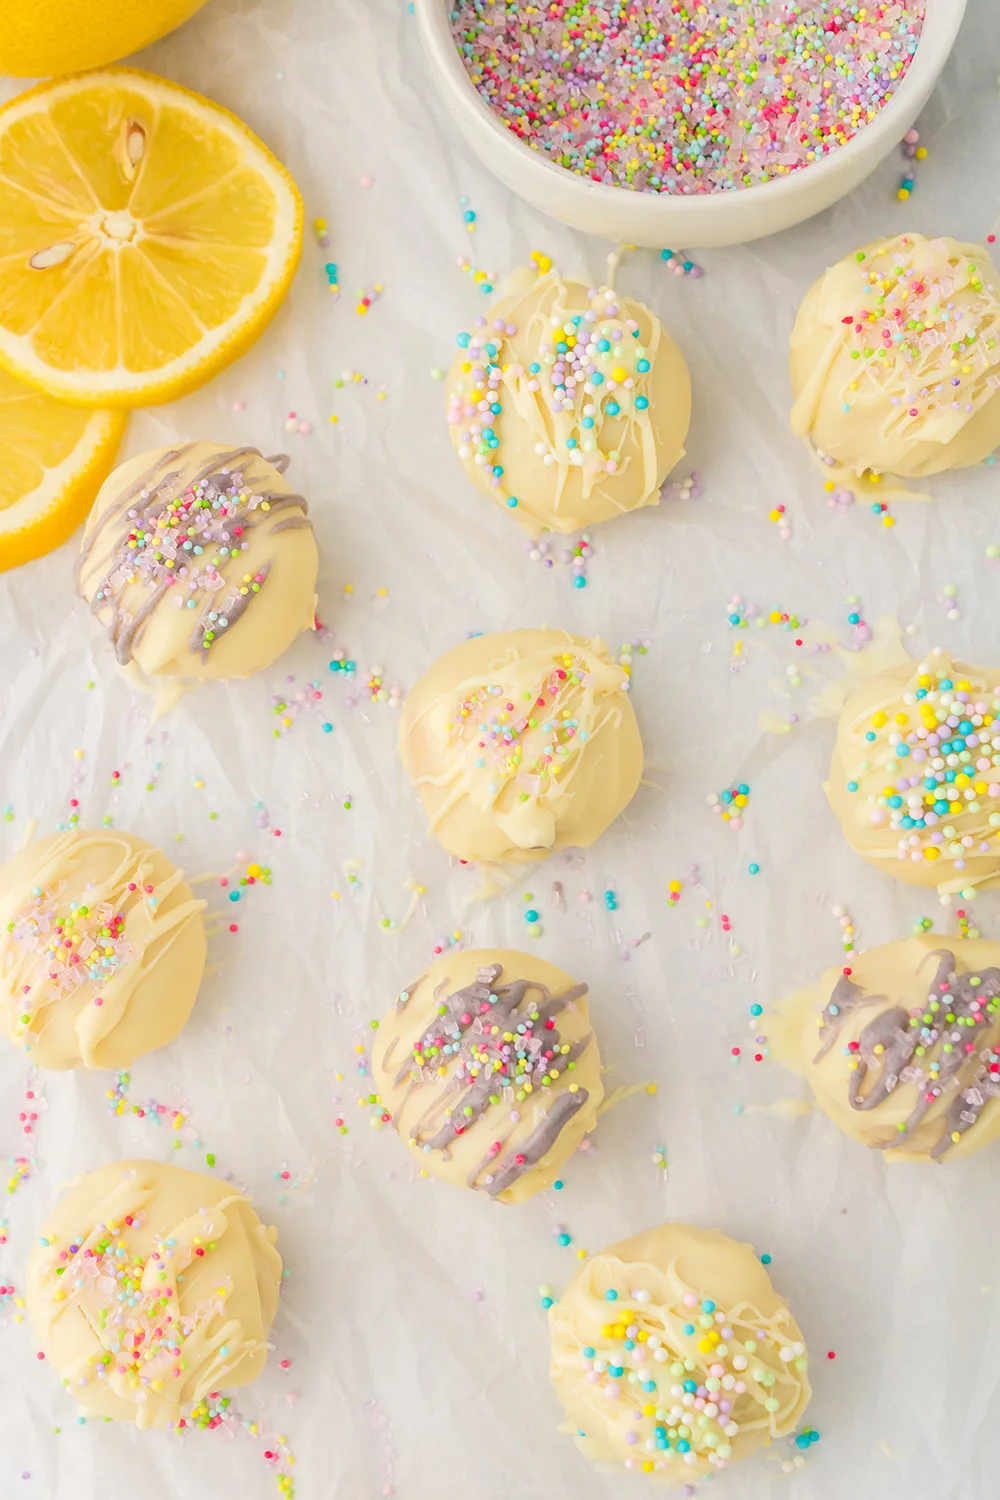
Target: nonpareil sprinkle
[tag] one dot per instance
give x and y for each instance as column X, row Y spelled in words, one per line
column 686, row 96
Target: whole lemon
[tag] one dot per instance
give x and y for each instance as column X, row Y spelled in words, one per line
column 66, row 36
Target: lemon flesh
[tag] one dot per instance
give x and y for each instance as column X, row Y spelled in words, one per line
column 146, row 238
column 53, row 460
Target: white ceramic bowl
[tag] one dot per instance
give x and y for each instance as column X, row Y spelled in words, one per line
column 660, row 219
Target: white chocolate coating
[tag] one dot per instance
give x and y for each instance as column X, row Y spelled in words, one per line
column 187, row 1310
column 225, row 578
column 881, row 1057
column 877, row 379
column 102, row 949
column 898, row 733
column 590, row 433
column 489, row 1095
column 744, row 1351
column 521, row 744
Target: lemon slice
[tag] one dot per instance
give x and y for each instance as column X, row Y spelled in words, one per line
column 53, row 460
column 146, row 238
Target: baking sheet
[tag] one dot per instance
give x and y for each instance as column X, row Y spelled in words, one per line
column 410, row 1319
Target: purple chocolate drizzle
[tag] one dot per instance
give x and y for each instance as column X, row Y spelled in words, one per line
column 950, row 1046
column 471, row 1028
column 214, row 527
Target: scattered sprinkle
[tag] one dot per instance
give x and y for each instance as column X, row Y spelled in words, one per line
column 731, row 803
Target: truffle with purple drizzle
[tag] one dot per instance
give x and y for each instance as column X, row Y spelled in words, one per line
column 901, row 1047
column 490, row 1070
column 200, row 562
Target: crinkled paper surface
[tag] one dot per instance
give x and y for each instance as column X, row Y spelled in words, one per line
column 411, row 1316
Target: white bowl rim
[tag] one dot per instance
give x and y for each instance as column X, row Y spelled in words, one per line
column 926, row 64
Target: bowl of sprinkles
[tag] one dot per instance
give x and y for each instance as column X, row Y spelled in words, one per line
column 685, row 122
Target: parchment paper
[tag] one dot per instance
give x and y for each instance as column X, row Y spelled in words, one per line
column 411, row 1317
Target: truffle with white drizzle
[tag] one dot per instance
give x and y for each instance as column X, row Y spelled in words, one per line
column 674, row 1356
column 895, row 361
column 150, row 1287
column 102, row 949
column 200, row 562
column 915, row 772
column 490, row 1070
column 568, row 405
column 521, row 744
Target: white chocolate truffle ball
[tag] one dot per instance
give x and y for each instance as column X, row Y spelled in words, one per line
column 895, row 358
column 901, row 1047
column 570, row 405
column 490, row 1070
column 915, row 774
column 200, row 562
column 102, row 949
column 521, row 744
column 143, row 1336
column 674, row 1356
